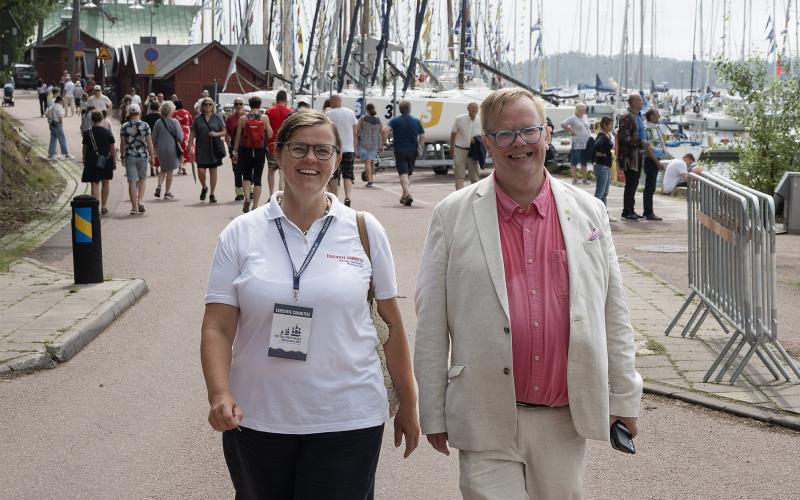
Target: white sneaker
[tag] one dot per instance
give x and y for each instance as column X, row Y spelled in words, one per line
column 53, row 158
column 69, row 157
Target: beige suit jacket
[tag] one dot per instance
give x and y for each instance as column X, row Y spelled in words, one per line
column 462, row 357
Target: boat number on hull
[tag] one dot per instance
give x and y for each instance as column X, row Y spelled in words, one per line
column 432, row 114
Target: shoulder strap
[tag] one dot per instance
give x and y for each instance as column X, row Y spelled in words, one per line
column 364, row 237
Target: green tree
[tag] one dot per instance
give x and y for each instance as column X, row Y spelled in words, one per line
column 28, row 13
column 770, row 117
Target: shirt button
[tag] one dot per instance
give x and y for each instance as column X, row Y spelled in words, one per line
column 536, row 358
column 533, row 292
column 530, row 261
column 535, row 387
column 536, row 324
column 506, row 371
column 521, row 211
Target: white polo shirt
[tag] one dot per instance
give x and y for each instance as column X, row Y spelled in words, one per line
column 673, row 174
column 344, row 119
column 465, row 129
column 340, row 385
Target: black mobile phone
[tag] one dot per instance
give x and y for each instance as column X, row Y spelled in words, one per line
column 621, row 438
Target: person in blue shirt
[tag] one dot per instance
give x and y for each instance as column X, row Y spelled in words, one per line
column 654, row 151
column 409, row 137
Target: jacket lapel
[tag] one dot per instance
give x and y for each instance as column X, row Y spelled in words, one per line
column 485, row 209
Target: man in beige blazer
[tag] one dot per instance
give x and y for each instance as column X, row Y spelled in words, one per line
column 469, row 335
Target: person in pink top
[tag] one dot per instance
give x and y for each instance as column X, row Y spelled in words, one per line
column 185, row 119
column 524, row 347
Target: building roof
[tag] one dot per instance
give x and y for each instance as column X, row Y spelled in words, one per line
column 172, row 24
column 172, row 57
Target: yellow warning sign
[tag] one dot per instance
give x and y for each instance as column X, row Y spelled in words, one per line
column 150, row 68
column 104, row 54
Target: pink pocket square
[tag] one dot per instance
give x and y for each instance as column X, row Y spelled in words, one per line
column 595, row 234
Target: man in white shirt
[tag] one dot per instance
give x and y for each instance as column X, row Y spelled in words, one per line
column 677, row 172
column 69, row 98
column 98, row 101
column 135, row 99
column 578, row 127
column 465, row 128
column 345, row 121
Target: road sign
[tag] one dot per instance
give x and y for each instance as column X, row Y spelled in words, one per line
column 150, row 68
column 104, row 54
column 79, row 45
column 151, row 54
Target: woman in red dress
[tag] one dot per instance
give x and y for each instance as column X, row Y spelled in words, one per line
column 185, row 118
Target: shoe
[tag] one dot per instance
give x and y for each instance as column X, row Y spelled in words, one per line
column 53, row 158
column 141, row 208
column 586, row 181
column 158, row 192
column 203, row 193
column 69, row 157
column 152, row 172
column 103, row 211
column 168, row 195
column 630, row 217
column 246, row 207
column 638, row 216
column 239, row 197
column 653, row 217
column 409, row 201
column 183, row 171
column 251, row 195
column 212, row 199
column 347, row 202
column 403, row 200
column 134, row 212
column 369, row 184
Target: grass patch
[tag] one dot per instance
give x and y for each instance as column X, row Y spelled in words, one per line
column 795, row 284
column 29, row 185
column 656, row 346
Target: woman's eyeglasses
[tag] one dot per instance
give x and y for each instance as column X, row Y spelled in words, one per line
column 299, row 150
column 505, row 138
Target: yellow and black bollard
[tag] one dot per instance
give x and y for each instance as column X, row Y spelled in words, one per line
column 87, row 250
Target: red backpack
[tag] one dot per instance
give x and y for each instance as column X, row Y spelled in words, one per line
column 253, row 135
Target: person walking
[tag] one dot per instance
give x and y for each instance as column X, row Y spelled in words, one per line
column 80, row 102
column 465, row 130
column 55, row 121
column 250, row 148
column 136, row 152
column 520, row 379
column 167, row 140
column 151, row 118
column 601, row 155
column 205, row 138
column 98, row 100
column 578, row 127
column 231, row 125
column 630, row 137
column 185, row 118
column 654, row 151
column 135, row 99
column 409, row 138
column 41, row 92
column 346, row 124
column 99, row 155
column 370, row 141
column 293, row 376
column 69, row 97
column 276, row 114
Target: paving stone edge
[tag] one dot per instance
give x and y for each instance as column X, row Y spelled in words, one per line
column 737, row 408
column 86, row 330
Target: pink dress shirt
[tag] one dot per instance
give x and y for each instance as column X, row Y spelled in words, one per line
column 537, row 283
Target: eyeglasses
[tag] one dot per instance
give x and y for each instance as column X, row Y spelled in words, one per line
column 299, row 150
column 238, row 104
column 505, row 138
column 208, row 104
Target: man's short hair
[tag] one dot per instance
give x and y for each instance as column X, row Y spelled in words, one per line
column 97, row 116
column 690, row 157
column 153, row 106
column 404, row 107
column 499, row 98
column 254, row 102
column 281, row 96
column 634, row 97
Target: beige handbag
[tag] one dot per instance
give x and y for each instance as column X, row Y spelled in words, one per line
column 381, row 328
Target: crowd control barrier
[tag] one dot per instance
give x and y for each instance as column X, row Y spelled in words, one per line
column 732, row 273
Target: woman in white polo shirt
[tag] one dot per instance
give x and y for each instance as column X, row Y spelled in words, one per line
column 288, row 344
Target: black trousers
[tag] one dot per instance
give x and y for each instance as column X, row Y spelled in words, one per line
column 237, row 170
column 42, row 103
column 650, row 177
column 330, row 465
column 629, row 198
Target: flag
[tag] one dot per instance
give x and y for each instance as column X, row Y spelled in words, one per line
column 537, row 49
column 508, row 47
column 537, row 26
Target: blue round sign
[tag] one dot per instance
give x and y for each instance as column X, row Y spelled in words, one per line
column 79, row 45
column 151, row 54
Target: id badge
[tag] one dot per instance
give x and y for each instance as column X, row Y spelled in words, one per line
column 291, row 329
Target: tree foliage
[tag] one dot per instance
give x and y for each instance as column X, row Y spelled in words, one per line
column 27, row 13
column 770, row 117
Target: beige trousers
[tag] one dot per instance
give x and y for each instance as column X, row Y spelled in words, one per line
column 544, row 462
column 463, row 164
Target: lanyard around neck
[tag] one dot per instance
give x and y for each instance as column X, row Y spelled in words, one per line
column 295, row 272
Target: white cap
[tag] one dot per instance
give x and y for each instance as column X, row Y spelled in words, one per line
column 133, row 109
column 97, row 87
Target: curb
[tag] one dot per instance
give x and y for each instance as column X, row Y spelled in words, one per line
column 728, row 406
column 86, row 330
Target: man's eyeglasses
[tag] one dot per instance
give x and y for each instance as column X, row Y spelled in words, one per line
column 505, row 138
column 299, row 150
column 238, row 104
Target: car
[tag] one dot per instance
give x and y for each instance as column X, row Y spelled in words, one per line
column 25, row 76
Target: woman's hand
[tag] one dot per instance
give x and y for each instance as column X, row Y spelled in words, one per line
column 406, row 424
column 225, row 413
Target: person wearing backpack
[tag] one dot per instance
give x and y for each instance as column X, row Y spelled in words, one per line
column 250, row 150
column 231, row 125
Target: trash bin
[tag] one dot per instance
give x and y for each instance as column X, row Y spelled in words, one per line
column 87, row 250
column 788, row 190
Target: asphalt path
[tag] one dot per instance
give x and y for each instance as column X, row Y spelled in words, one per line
column 126, row 418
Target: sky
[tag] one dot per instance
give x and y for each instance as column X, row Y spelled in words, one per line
column 674, row 24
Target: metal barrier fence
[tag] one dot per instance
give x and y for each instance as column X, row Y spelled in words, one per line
column 732, row 273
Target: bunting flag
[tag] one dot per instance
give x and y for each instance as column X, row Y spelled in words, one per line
column 769, row 21
column 537, row 49
column 508, row 47
column 457, row 28
column 537, row 25
column 778, row 66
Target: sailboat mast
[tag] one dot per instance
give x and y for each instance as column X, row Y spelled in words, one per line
column 641, row 46
column 463, row 43
column 530, row 46
column 450, row 47
column 623, row 62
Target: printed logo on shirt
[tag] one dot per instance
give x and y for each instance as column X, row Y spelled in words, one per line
column 350, row 260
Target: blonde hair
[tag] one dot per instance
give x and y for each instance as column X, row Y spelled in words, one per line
column 167, row 107
column 296, row 121
column 495, row 102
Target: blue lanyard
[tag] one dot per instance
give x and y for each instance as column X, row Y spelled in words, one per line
column 295, row 273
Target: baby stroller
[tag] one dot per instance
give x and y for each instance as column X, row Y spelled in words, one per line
column 8, row 95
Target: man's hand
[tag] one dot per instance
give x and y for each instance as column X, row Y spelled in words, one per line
column 225, row 413
column 630, row 423
column 406, row 424
column 439, row 442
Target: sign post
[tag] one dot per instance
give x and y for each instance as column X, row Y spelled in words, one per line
column 150, row 68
